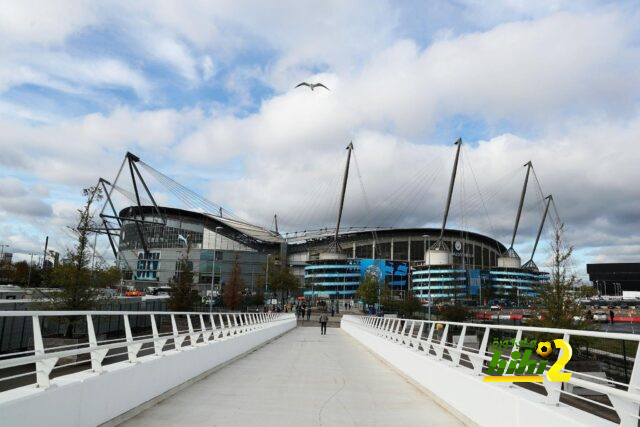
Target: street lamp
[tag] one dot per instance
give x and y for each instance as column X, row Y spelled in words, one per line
column 428, row 258
column 213, row 267
column 266, row 279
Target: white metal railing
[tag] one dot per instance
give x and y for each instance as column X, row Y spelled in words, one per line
column 446, row 341
column 199, row 328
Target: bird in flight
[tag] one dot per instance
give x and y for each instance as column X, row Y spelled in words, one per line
column 312, row 86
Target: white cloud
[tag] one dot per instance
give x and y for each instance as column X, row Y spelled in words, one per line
column 558, row 88
column 43, row 22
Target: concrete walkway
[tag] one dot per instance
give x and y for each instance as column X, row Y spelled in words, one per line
column 301, row 379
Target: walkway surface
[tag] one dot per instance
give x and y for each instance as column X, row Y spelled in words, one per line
column 301, row 379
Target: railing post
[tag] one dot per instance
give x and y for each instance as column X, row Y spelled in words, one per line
column 419, row 336
column 458, row 352
column 221, row 319
column 478, row 361
column 231, row 330
column 397, row 330
column 410, row 336
column 177, row 338
column 132, row 347
column 213, row 327
column 242, row 328
column 385, row 327
column 443, row 342
column 193, row 334
column 158, row 343
column 427, row 350
column 97, row 355
column 554, row 388
column 44, row 366
column 203, row 329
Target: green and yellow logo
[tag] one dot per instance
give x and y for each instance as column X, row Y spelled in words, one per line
column 513, row 370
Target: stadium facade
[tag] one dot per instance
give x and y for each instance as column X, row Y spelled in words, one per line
column 399, row 258
column 434, row 264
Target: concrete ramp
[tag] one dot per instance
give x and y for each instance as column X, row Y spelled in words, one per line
column 301, row 379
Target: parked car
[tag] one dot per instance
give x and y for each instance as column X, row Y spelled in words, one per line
column 496, row 308
column 600, row 316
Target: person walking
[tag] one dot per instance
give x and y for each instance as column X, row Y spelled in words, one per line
column 333, row 311
column 611, row 315
column 308, row 313
column 323, row 323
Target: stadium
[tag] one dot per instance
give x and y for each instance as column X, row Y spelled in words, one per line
column 435, row 264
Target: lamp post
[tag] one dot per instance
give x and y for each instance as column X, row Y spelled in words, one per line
column 213, row 267
column 266, row 279
column 428, row 257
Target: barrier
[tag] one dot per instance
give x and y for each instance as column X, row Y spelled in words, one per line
column 97, row 391
column 449, row 359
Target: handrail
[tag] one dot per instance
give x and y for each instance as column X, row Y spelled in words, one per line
column 418, row 335
column 219, row 326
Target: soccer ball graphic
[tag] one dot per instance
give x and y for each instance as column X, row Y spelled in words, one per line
column 544, row 349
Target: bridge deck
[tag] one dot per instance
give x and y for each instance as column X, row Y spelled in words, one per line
column 301, row 379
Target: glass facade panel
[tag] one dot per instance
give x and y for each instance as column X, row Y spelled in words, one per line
column 417, row 250
column 400, row 250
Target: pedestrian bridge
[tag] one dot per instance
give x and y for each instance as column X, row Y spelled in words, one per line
column 260, row 369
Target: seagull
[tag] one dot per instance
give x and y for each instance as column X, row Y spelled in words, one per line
column 312, row 86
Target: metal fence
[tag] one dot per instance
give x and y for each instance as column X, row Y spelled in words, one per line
column 64, row 342
column 605, row 380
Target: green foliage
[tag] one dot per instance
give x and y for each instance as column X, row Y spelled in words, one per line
column 18, row 274
column 368, row 289
column 232, row 297
column 586, row 291
column 281, row 281
column 408, row 306
column 76, row 290
column 107, row 277
column 182, row 296
column 556, row 305
column 455, row 313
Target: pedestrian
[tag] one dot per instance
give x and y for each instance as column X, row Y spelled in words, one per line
column 308, row 313
column 333, row 311
column 611, row 315
column 323, row 323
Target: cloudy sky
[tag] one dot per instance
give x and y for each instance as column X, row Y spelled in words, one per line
column 204, row 92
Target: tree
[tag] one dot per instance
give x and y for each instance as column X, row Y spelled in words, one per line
column 20, row 274
column 74, row 279
column 231, row 296
column 368, row 289
column 587, row 291
column 106, row 277
column 555, row 305
column 281, row 280
column 455, row 313
column 182, row 295
column 284, row 282
column 408, row 305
